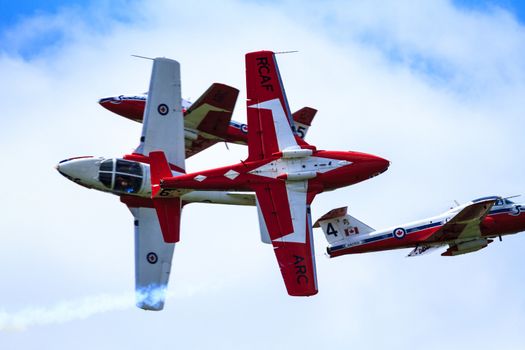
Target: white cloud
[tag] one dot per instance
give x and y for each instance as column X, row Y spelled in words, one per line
column 62, row 242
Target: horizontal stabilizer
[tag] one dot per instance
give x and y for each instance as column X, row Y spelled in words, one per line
column 159, row 168
column 168, row 208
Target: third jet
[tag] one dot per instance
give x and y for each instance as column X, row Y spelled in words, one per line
column 463, row 229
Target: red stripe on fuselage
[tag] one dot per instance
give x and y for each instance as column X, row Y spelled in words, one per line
column 410, row 240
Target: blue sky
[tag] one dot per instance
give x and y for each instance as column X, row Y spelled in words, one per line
column 441, row 98
column 45, row 35
column 516, row 8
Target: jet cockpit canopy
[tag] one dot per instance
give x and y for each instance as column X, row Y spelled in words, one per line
column 121, row 175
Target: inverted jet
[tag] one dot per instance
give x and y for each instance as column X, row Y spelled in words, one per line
column 208, row 120
column 129, row 178
column 283, row 170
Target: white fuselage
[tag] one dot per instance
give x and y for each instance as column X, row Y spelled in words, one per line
column 125, row 177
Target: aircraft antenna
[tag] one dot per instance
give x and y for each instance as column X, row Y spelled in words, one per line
column 456, row 202
column 285, row 52
column 144, row 57
column 514, row 196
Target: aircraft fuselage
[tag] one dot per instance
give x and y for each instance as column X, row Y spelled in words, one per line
column 504, row 219
column 324, row 170
column 129, row 178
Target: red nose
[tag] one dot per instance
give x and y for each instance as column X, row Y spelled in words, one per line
column 377, row 165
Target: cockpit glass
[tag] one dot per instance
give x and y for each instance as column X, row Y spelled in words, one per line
column 126, row 183
column 125, row 177
column 105, row 178
column 508, row 202
column 123, row 166
column 107, row 165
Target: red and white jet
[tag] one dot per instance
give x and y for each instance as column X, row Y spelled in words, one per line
column 464, row 229
column 129, row 178
column 284, row 171
column 208, row 120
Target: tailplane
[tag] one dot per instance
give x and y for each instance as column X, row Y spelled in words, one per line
column 167, row 204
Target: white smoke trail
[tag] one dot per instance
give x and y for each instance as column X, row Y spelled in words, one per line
column 65, row 311
column 79, row 309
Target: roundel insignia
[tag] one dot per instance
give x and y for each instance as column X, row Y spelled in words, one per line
column 399, row 232
column 244, row 128
column 163, row 109
column 152, row 258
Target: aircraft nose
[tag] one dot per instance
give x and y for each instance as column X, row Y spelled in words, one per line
column 377, row 165
column 382, row 163
column 75, row 169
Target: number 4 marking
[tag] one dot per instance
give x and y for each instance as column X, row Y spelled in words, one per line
column 330, row 230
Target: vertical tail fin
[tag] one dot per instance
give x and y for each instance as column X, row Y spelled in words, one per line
column 338, row 226
column 168, row 208
column 302, row 120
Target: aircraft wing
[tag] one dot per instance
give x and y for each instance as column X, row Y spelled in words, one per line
column 284, row 205
column 206, row 121
column 269, row 117
column 286, row 214
column 465, row 224
column 152, row 260
column 163, row 127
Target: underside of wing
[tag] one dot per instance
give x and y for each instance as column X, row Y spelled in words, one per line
column 287, row 218
column 465, row 224
column 163, row 127
column 152, row 260
column 467, row 246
